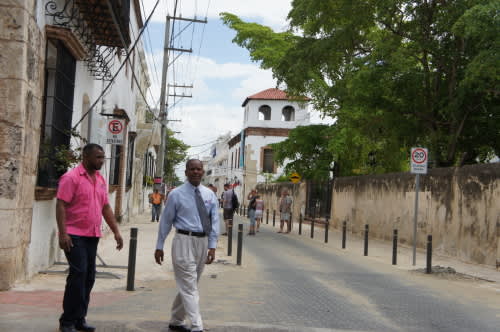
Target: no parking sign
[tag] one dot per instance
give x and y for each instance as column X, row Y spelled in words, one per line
column 115, row 131
column 419, row 158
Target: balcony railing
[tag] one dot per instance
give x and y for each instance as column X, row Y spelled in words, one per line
column 92, row 22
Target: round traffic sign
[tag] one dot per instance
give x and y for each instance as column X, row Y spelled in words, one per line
column 419, row 156
column 115, row 127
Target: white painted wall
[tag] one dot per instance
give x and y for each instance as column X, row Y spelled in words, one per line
column 44, row 246
column 251, row 118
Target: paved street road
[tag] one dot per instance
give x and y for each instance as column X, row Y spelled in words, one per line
column 297, row 282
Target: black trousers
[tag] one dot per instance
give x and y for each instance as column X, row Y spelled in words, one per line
column 80, row 280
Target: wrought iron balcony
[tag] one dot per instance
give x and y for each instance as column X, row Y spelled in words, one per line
column 93, row 24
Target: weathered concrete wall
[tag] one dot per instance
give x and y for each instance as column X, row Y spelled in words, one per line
column 271, row 194
column 21, row 82
column 459, row 207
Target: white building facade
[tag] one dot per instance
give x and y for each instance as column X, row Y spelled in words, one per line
column 268, row 118
column 63, row 55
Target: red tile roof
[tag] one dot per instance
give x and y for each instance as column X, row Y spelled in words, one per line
column 269, row 94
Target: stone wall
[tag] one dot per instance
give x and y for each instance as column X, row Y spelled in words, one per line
column 271, row 194
column 21, row 81
column 459, row 207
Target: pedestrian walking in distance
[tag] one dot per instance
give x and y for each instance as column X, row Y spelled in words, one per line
column 82, row 201
column 228, row 204
column 285, row 211
column 259, row 211
column 156, row 199
column 193, row 210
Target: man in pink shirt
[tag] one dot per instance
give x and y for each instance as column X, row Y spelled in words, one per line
column 82, row 201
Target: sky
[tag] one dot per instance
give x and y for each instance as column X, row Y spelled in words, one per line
column 221, row 72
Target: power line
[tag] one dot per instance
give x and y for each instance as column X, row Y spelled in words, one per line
column 119, row 69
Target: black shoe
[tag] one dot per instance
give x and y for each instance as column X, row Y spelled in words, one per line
column 84, row 327
column 67, row 328
column 180, row 328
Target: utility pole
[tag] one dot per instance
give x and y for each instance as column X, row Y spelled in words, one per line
column 164, row 95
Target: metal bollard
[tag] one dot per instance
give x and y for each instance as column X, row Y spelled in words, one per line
column 395, row 247
column 327, row 226
column 230, row 238
column 366, row 240
column 267, row 216
column 131, row 259
column 289, row 224
column 245, row 211
column 274, row 217
column 429, row 255
column 344, row 231
column 300, row 223
column 240, row 244
column 312, row 228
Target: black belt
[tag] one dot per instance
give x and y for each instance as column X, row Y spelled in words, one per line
column 198, row 234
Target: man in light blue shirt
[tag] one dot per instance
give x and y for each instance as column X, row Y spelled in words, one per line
column 193, row 210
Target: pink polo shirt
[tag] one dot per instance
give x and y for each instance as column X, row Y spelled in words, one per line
column 85, row 201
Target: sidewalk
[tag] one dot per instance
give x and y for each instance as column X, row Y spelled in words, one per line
column 36, row 305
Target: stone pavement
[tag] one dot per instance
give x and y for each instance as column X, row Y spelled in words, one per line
column 35, row 305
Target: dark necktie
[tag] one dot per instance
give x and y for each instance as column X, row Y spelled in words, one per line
column 202, row 211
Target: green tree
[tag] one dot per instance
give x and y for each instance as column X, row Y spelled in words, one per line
column 305, row 151
column 175, row 153
column 394, row 74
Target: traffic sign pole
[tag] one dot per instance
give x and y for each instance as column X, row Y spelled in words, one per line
column 419, row 158
column 417, row 189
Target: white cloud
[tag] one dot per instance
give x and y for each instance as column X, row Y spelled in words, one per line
column 272, row 13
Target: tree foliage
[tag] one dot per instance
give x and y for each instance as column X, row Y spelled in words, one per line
column 175, row 153
column 393, row 73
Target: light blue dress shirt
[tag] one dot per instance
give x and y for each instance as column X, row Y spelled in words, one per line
column 181, row 212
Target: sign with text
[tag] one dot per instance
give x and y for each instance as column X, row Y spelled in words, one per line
column 419, row 158
column 115, row 132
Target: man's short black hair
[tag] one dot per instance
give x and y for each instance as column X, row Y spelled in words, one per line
column 87, row 149
column 191, row 160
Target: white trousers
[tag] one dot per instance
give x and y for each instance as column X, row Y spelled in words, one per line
column 189, row 254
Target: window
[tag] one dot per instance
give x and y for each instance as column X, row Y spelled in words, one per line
column 264, row 112
column 268, row 161
column 58, row 113
column 130, row 158
column 288, row 114
column 114, row 165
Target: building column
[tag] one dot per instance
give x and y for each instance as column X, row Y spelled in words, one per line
column 21, row 82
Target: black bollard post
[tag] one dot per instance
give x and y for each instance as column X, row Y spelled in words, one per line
column 240, row 244
column 366, row 240
column 395, row 247
column 429, row 255
column 131, row 259
column 274, row 217
column 300, row 223
column 327, row 225
column 312, row 228
column 344, row 231
column 289, row 224
column 230, row 238
column 267, row 216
